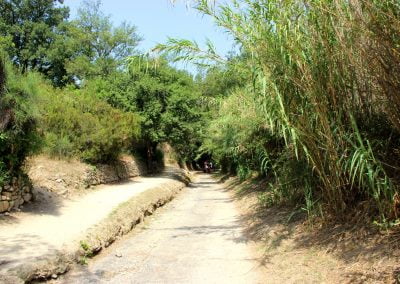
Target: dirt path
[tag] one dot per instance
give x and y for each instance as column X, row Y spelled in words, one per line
column 26, row 236
column 197, row 238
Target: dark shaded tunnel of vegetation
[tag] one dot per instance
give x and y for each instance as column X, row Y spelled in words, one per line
column 310, row 100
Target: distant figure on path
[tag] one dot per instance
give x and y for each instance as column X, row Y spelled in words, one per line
column 207, row 167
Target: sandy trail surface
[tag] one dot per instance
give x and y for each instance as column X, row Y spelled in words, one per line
column 197, row 238
column 27, row 236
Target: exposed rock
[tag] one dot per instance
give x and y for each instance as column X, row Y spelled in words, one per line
column 4, row 206
column 19, row 202
column 27, row 197
column 8, row 195
column 13, row 196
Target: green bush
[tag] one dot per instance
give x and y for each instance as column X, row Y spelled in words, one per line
column 75, row 123
column 18, row 137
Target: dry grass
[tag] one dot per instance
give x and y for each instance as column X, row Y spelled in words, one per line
column 296, row 250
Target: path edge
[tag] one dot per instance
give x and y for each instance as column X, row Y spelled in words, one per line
column 120, row 222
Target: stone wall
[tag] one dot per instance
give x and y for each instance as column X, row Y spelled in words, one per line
column 15, row 193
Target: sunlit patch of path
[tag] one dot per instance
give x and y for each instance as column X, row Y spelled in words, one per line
column 196, row 239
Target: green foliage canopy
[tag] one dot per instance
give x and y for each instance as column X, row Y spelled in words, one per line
column 166, row 99
column 99, row 48
column 28, row 28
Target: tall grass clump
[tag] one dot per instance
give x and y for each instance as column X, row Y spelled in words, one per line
column 326, row 75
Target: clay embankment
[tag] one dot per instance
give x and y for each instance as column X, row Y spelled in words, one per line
column 66, row 177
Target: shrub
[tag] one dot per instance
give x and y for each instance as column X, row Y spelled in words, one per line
column 75, row 123
column 18, row 136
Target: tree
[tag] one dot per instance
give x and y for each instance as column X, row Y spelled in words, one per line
column 28, row 29
column 169, row 104
column 100, row 48
column 184, row 117
column 166, row 99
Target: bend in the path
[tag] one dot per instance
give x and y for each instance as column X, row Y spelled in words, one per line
column 197, row 238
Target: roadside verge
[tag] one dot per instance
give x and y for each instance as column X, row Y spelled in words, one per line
column 297, row 249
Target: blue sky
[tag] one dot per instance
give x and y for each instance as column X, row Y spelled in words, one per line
column 158, row 19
